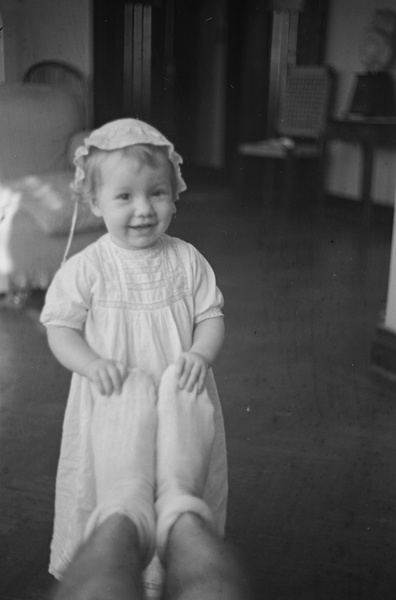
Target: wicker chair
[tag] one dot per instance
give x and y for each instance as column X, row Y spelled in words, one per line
column 62, row 74
column 303, row 115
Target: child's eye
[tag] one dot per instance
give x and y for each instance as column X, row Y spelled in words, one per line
column 124, row 196
column 160, row 192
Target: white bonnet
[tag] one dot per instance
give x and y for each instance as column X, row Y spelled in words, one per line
column 119, row 134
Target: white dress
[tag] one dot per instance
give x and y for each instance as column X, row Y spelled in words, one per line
column 139, row 307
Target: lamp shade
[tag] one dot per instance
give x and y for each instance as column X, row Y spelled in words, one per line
column 373, row 95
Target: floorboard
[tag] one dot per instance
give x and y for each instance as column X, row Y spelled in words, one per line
column 310, row 432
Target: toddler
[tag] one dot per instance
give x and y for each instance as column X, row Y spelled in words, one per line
column 136, row 317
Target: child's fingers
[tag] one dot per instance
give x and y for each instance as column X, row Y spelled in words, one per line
column 201, row 381
column 109, row 380
column 106, row 382
column 102, row 384
column 123, row 371
column 99, row 386
column 190, row 372
column 184, row 377
column 183, row 371
column 116, row 377
column 179, row 366
column 193, row 377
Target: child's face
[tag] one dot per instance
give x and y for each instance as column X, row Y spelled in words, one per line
column 135, row 200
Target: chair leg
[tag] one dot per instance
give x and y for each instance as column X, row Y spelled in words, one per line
column 268, row 181
column 245, row 167
column 288, row 192
column 321, row 179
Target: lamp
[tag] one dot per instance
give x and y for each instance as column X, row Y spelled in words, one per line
column 374, row 89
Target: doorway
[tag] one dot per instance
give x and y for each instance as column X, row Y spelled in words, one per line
column 165, row 62
column 197, row 70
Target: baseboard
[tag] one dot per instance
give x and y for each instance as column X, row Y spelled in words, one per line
column 383, row 355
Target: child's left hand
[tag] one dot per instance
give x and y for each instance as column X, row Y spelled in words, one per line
column 191, row 369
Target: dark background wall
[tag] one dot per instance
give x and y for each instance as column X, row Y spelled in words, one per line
column 209, row 70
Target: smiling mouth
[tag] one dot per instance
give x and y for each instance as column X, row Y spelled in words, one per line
column 142, row 227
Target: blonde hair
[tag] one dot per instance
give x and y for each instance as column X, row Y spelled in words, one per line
column 145, row 154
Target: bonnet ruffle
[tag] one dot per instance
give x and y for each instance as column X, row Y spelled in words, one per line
column 120, row 134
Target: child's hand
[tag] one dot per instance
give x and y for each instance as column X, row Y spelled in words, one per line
column 191, row 369
column 107, row 375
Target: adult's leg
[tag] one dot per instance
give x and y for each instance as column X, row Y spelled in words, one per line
column 123, row 441
column 197, row 561
column 199, row 564
column 120, row 536
column 107, row 566
column 184, row 442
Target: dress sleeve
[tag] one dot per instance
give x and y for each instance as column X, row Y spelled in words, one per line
column 208, row 300
column 69, row 296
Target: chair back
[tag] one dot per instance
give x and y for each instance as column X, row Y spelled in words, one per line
column 62, row 74
column 305, row 107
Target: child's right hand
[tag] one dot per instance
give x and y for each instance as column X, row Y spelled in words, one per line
column 108, row 376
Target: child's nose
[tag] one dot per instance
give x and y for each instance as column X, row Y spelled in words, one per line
column 142, row 205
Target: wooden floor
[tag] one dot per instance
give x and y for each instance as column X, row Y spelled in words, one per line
column 311, row 435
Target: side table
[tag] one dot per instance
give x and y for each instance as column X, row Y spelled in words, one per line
column 369, row 133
